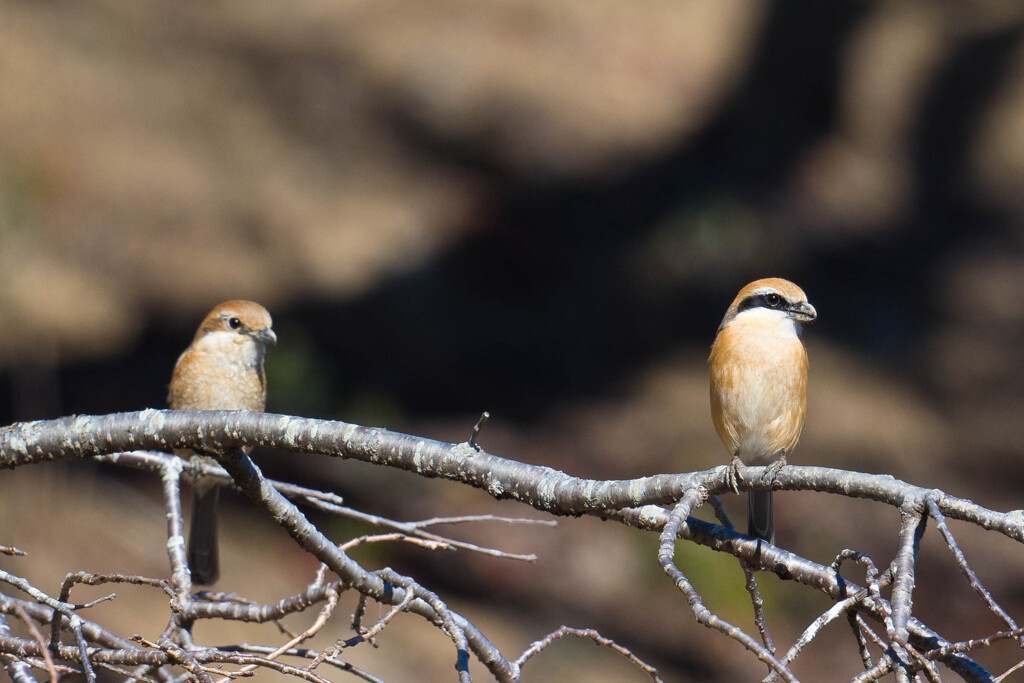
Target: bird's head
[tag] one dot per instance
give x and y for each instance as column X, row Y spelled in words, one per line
column 771, row 298
column 247, row 319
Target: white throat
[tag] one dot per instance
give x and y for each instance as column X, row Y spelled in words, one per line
column 768, row 321
column 242, row 348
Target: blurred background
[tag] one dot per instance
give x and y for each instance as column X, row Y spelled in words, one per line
column 539, row 208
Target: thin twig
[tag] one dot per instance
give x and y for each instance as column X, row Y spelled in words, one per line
column 33, row 629
column 178, row 655
column 91, row 579
column 452, row 625
column 18, row 669
column 968, row 645
column 858, row 634
column 74, row 621
column 484, row 416
column 666, row 552
column 871, row 634
column 965, row 568
column 417, row 528
column 129, row 676
column 357, row 617
column 307, row 653
column 815, row 626
column 384, row 538
column 1002, row 676
column 757, row 602
column 365, row 635
column 465, row 519
column 591, row 634
column 912, row 524
column 719, row 510
column 75, row 624
column 325, row 613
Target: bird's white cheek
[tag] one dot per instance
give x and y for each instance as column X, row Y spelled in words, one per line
column 232, row 346
column 251, row 352
column 765, row 324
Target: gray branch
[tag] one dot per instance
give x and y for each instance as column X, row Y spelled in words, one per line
column 123, row 438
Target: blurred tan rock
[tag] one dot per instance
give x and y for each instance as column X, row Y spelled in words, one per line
column 244, row 150
column 859, row 179
column 998, row 158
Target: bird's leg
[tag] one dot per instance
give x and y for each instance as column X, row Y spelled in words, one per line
column 771, row 473
column 732, row 477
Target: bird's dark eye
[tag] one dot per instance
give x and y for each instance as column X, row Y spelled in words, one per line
column 772, row 300
column 234, row 323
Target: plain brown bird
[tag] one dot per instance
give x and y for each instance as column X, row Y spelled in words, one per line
column 758, row 369
column 221, row 370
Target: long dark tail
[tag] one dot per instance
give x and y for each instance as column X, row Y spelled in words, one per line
column 760, row 515
column 202, row 538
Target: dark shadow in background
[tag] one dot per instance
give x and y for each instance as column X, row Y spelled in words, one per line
column 542, row 305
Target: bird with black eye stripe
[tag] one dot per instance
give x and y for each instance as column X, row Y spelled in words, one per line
column 221, row 370
column 758, row 371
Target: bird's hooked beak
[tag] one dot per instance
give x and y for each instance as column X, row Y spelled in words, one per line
column 267, row 336
column 803, row 312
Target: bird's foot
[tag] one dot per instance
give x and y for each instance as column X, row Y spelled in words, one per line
column 732, row 477
column 771, row 472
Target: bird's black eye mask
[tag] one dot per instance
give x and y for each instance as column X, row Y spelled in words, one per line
column 770, row 300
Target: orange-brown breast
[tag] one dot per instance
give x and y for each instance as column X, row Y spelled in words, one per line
column 226, row 377
column 758, row 390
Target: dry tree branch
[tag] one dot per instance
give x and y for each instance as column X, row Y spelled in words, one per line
column 63, row 608
column 325, row 613
column 862, row 632
column 306, row 653
column 43, row 615
column 750, row 583
column 33, row 628
column 965, row 568
column 666, row 554
column 757, row 603
column 910, row 646
column 386, row 587
column 417, row 528
column 541, row 487
column 19, row 670
column 974, row 644
column 1002, row 677
column 792, row 567
column 90, row 579
column 911, row 530
column 332, row 503
column 364, row 635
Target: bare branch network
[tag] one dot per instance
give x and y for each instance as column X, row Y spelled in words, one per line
column 889, row 639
